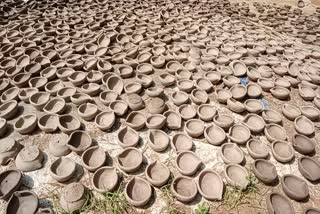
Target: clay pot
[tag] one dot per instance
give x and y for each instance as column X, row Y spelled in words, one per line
column 73, row 197
column 238, row 92
column 22, row 202
column 80, row 98
column 79, row 141
column 280, row 93
column 230, row 81
column 265, row 171
column 108, row 96
column 114, row 83
column 282, row 151
column 235, row 105
column 10, row 181
column 239, row 134
column 310, row 112
column 64, row 73
column 254, row 122
column 275, row 132
column 53, row 87
column 312, row 211
column 194, row 127
column 167, row 79
column 93, row 158
column 210, row 185
column 138, row 191
column 173, row 120
column 302, row 144
column 128, row 137
column 231, row 153
column 187, row 112
column 290, row 111
column 306, row 92
column 26, row 124
column 277, row 203
column 119, row 107
column 181, row 142
column 154, row 91
column 55, row 106
column 309, row 168
column 179, row 98
column 66, row 92
column 10, row 94
column 204, row 84
column 184, row 188
column 238, row 68
column 135, row 102
column 271, row 116
column 213, row 76
column 58, row 148
column 158, row 140
column 8, row 150
column 199, row 96
column 157, row 174
column 62, row 169
column 257, row 149
column 68, row 123
column 21, row 80
column 88, row 111
column 253, row 90
column 130, row 159
column 91, row 89
column 185, row 85
column 136, row 120
column 49, row 73
column 105, row 179
column 236, row 175
column 253, row 106
column 39, row 100
column 26, row 93
column 29, row 159
column 304, row 126
column 156, row 105
column 105, row 120
column 187, row 163
column 206, row 112
column 144, row 68
column 223, row 95
column 294, row 187
column 224, row 121
column 214, row 135
column 265, row 84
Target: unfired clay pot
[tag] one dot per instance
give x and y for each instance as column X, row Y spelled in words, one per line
column 187, row 163
column 26, row 123
column 105, row 120
column 157, row 174
column 93, row 158
column 304, row 126
column 130, row 159
column 271, row 116
column 277, row 203
column 22, row 202
column 9, row 148
column 206, row 112
column 58, row 148
column 223, row 95
column 265, row 171
column 79, row 141
column 184, row 188
column 236, row 175
column 105, row 179
column 294, row 187
column 181, row 142
column 253, row 106
column 10, row 181
column 108, row 96
column 290, row 111
column 155, row 121
column 39, row 100
column 282, row 151
column 29, row 159
column 239, row 134
column 310, row 112
column 303, row 144
column 68, row 123
column 88, row 111
column 187, row 111
column 231, row 153
column 62, row 169
column 210, row 185
column 194, row 128
column 48, row 122
column 73, row 197
column 179, row 98
column 136, row 120
column 214, row 134
column 173, row 120
column 309, row 168
column 254, row 122
column 158, row 140
column 127, row 137
column 138, row 191
column 55, row 106
column 119, row 107
column 257, row 149
column 224, row 121
column 275, row 132
column 311, row 210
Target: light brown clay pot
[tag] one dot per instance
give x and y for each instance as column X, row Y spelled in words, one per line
column 206, row 112
column 294, row 187
column 79, row 141
column 277, row 203
column 55, row 106
column 282, row 151
column 303, row 144
column 136, row 120
column 304, row 126
column 138, row 191
column 10, row 94
column 199, row 96
column 114, row 83
column 235, row 106
column 187, row 163
column 10, row 182
column 254, row 106
column 184, row 188
column 26, row 123
column 310, row 112
column 68, row 123
column 290, row 111
column 127, row 137
column 130, row 159
column 236, row 175
column 8, row 150
column 231, row 154
column 62, row 169
column 271, row 116
column 157, row 174
column 154, row 91
column 108, row 96
column 30, row 158
column 58, row 148
column 239, row 134
column 105, row 179
column 254, row 122
column 257, row 149
column 187, row 111
column 158, row 140
column 253, row 90
column 194, row 127
column 210, row 185
column 73, row 197
column 66, row 92
column 156, row 105
column 309, row 168
column 39, row 100
column 119, row 107
column 173, row 120
column 88, row 111
column 275, row 132
column 105, row 120
column 22, row 201
column 93, row 158
column 224, row 121
column 265, row 171
column 179, row 98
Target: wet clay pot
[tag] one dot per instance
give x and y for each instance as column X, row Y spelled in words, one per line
column 58, row 148
column 304, row 126
column 254, row 122
column 210, row 185
column 9, row 109
column 224, row 121
column 158, row 140
column 257, row 149
column 88, row 111
column 239, row 134
column 231, row 153
column 68, row 123
column 10, row 181
column 294, row 187
column 271, row 116
column 277, row 203
column 157, row 174
column 29, row 158
column 62, row 169
column 187, row 163
column 181, row 142
column 236, row 175
column 105, row 120
column 105, row 179
column 93, row 158
column 127, row 137
column 114, row 83
column 309, row 168
column 290, row 111
column 22, row 202
column 206, row 112
column 303, row 144
column 130, row 159
column 138, row 191
column 135, row 102
column 48, row 122
column 265, row 171
column 253, row 90
column 282, row 151
column 9, row 148
column 173, row 120
column 26, row 124
column 184, row 188
column 275, row 132
column 10, row 94
column 194, row 128
column 79, row 141
column 66, row 93
column 73, row 197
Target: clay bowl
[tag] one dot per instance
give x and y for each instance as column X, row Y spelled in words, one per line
column 3, row 126
column 29, row 159
column 184, row 188
column 223, row 95
column 231, row 153
column 312, row 211
column 294, row 187
column 167, row 79
column 158, row 140
column 68, row 123
column 303, row 144
column 204, row 84
column 181, row 142
column 105, row 120
column 230, row 81
column 236, row 175
column 144, row 68
column 22, row 202
column 88, row 111
column 62, row 169
column 132, row 88
column 93, row 158
column 8, row 150
column 210, row 185
column 239, row 134
column 310, row 112
column 21, row 80
column 275, row 132
column 155, row 105
column 64, row 73
column 138, row 192
column 309, row 168
column 238, row 68
column 73, row 197
column 265, row 171
column 185, row 85
column 290, row 111
column 187, row 163
column 213, row 76
column 280, row 92
column 199, row 96
column 306, row 92
column 136, row 120
column 265, row 84
column 8, row 109
column 119, row 107
column 282, row 151
column 179, row 98
column 173, row 120
column 257, row 149
column 224, row 121
column 187, row 112
column 130, row 159
column 39, row 100
column 80, row 98
column 277, row 203
column 66, row 92
column 26, row 93
column 77, row 78
column 91, row 89
column 10, row 94
column 154, row 91
column 271, row 116
column 235, row 106
column 49, row 73
column 53, row 87
column 114, row 83
column 79, row 141
column 253, row 90
column 206, row 112
column 238, row 92
column 55, row 106
column 304, row 126
column 105, row 179
column 253, row 106
column 38, row 82
column 108, row 96
column 127, row 137
column 194, row 128
column 157, row 174
column 254, row 122
column 10, row 181
column 144, row 80
column 26, row 123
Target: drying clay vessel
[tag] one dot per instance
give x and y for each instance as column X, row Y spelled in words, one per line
column 210, row 185
column 181, row 142
column 254, row 90
column 10, row 181
column 158, row 140
column 231, row 153
column 206, row 112
column 66, row 93
column 135, row 102
column 108, row 96
column 223, row 95
column 235, row 106
column 105, row 120
column 254, row 122
column 309, row 168
column 80, row 98
column 187, row 163
column 157, row 174
column 155, row 121
column 127, row 137
column 294, row 187
column 271, row 116
column 136, row 120
column 179, row 98
column 73, row 197
column 119, row 107
column 58, row 148
column 303, row 144
column 253, row 106
column 9, row 148
column 214, row 135
column 187, row 111
column 236, row 175
column 194, row 128
column 173, row 120
column 93, row 158
column 26, row 124
column 184, row 188
column 290, row 111
column 199, row 96
column 239, row 134
column 48, row 122
column 25, row 94
column 29, row 159
column 9, row 109
column 275, row 132
column 310, row 112
column 224, row 121
column 68, row 123
column 304, row 126
column 22, row 202
column 130, row 159
column 156, row 105
column 265, row 171
column 62, row 169
column 88, row 111
column 105, row 179
column 39, row 100
column 282, row 151
column 277, row 203
column 257, row 149
column 138, row 191
column 79, row 141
